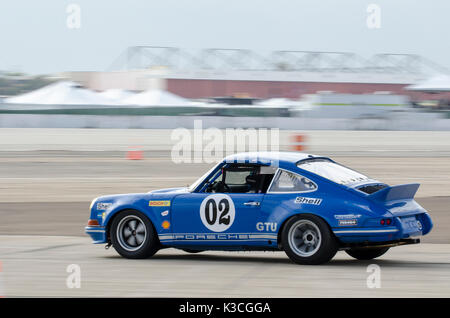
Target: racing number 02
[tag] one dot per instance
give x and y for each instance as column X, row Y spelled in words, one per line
column 211, row 211
column 217, row 212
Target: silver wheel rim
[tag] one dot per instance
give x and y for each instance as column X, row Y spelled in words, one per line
column 131, row 233
column 304, row 238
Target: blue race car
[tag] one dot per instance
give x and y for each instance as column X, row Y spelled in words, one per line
column 309, row 206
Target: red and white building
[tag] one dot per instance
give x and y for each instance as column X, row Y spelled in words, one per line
column 304, row 73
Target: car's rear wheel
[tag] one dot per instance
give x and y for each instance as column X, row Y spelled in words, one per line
column 133, row 236
column 366, row 253
column 307, row 240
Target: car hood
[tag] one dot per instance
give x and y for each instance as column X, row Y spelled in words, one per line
column 130, row 197
column 171, row 190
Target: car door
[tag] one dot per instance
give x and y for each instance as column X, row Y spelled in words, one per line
column 224, row 218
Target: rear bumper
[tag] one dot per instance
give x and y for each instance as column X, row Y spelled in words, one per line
column 379, row 244
column 354, row 235
column 97, row 233
column 403, row 227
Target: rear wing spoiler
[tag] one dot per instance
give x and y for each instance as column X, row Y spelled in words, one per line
column 398, row 192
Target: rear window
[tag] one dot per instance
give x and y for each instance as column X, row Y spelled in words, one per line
column 332, row 171
column 286, row 181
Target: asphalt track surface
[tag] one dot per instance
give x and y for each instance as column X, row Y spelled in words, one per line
column 44, row 201
column 36, row 266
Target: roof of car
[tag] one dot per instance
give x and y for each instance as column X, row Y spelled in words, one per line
column 267, row 157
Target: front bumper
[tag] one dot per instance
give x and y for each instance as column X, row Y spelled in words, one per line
column 97, row 233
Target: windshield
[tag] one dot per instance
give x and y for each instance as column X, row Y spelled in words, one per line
column 332, row 171
column 199, row 180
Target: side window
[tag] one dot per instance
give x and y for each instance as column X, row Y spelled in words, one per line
column 241, row 179
column 286, row 181
column 237, row 177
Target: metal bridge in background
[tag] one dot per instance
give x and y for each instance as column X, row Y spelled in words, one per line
column 145, row 57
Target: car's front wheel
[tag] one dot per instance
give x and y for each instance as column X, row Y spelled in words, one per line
column 133, row 236
column 366, row 253
column 307, row 240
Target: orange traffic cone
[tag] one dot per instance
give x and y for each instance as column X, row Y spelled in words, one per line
column 135, row 153
column 298, row 142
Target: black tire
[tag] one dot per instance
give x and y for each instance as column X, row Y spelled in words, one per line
column 121, row 225
column 324, row 246
column 192, row 251
column 366, row 253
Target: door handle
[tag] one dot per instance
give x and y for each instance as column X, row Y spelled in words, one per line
column 254, row 203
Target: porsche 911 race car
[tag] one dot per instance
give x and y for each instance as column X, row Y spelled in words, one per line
column 309, row 206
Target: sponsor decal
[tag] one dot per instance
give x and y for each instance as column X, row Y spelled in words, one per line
column 218, row 236
column 158, row 203
column 165, row 213
column 101, row 215
column 348, row 222
column 267, row 226
column 165, row 225
column 103, row 206
column 347, row 216
column 217, row 212
column 211, row 236
column 304, row 200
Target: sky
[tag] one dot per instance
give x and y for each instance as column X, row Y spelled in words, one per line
column 35, row 37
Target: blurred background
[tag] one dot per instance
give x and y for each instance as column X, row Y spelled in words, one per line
column 104, row 64
column 90, row 92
